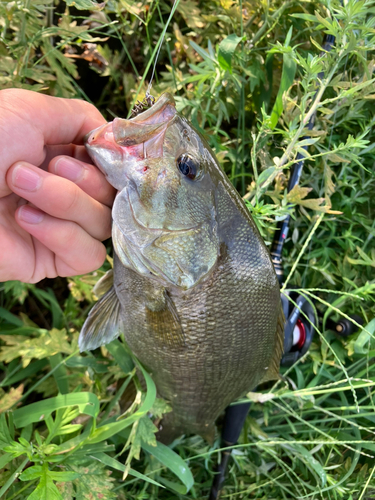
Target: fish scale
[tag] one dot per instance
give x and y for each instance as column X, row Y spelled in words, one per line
column 194, row 289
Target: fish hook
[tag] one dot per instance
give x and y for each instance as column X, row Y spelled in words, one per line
column 147, row 102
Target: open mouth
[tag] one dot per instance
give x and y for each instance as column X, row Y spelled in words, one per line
column 145, row 126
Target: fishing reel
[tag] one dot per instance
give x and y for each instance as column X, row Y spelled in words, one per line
column 300, row 324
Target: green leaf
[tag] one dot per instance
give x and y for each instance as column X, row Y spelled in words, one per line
column 145, row 432
column 48, row 296
column 121, row 355
column 46, row 489
column 310, row 461
column 66, row 490
column 227, row 48
column 12, row 478
column 288, row 37
column 63, row 476
column 202, row 53
column 87, row 403
column 5, row 437
column 191, row 13
column 306, row 17
column 106, row 431
column 83, row 4
column 307, row 142
column 60, row 373
column 31, row 369
column 265, row 174
column 31, row 473
column 173, row 462
column 74, row 443
column 160, row 407
column 5, row 459
column 68, row 429
column 287, row 79
column 18, row 449
column 365, row 261
column 326, row 22
column 368, row 445
column 9, row 399
column 365, row 339
column 98, row 365
column 177, row 487
column 115, row 464
column 45, row 345
column 18, row 291
column 10, row 318
column 95, row 482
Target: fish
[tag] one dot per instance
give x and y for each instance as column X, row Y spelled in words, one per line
column 193, row 288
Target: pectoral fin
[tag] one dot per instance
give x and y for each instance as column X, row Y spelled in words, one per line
column 103, row 323
column 166, row 324
column 104, row 284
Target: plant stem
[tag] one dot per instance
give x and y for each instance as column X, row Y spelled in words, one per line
column 285, row 157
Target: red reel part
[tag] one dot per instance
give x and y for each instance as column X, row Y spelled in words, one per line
column 299, row 335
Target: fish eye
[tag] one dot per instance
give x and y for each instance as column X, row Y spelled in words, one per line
column 187, row 166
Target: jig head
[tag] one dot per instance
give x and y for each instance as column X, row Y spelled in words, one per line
column 147, row 102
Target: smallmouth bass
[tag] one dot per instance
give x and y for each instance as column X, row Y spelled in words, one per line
column 193, row 287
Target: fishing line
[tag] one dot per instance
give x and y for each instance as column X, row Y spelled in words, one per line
column 156, row 59
column 148, row 101
column 160, row 43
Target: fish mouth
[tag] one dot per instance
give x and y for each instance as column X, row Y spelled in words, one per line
column 163, row 110
column 126, row 133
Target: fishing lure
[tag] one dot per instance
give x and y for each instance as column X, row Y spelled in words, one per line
column 140, row 106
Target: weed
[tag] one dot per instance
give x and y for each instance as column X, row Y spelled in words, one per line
column 249, row 75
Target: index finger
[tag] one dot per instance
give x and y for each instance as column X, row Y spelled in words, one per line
column 29, row 121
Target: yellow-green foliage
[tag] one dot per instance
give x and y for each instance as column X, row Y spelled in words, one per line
column 249, row 75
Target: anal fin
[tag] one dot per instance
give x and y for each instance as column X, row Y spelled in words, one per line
column 103, row 323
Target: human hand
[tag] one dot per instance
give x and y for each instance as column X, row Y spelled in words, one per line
column 54, row 204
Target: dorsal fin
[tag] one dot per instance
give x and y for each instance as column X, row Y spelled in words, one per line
column 103, row 323
column 273, row 371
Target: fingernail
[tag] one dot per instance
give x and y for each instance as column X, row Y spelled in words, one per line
column 70, row 169
column 25, row 178
column 30, row 215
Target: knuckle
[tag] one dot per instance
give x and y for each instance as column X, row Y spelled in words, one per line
column 62, row 237
column 98, row 223
column 106, row 228
column 69, row 235
column 85, row 104
column 71, row 200
column 80, row 253
column 98, row 256
column 88, row 109
column 63, row 269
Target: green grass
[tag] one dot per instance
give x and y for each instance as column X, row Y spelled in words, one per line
column 249, row 83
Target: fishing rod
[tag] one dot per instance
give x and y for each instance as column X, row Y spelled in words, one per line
column 298, row 311
column 300, row 318
column 295, row 176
